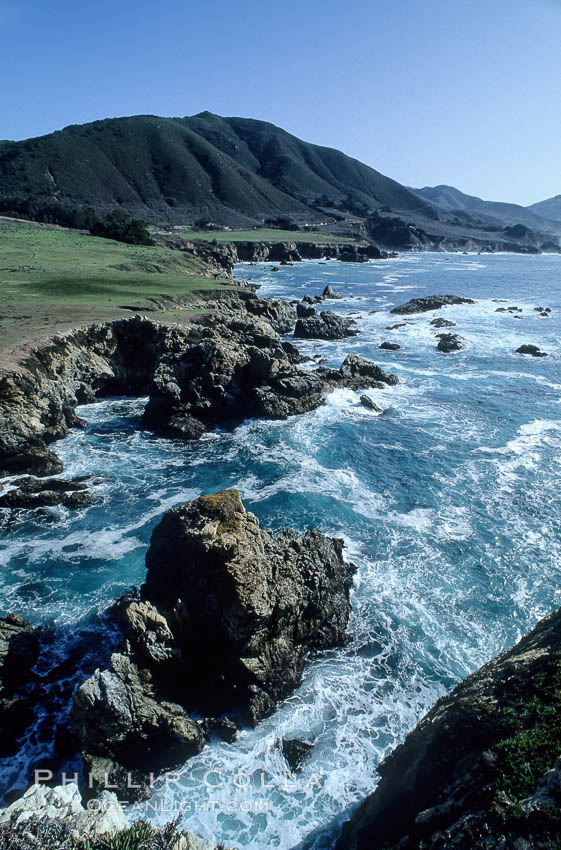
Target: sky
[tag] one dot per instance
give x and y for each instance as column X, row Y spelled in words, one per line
column 463, row 92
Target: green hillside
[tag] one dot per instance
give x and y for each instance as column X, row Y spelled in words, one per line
column 231, row 170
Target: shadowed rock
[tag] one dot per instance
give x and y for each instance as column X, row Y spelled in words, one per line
column 324, row 325
column 481, row 769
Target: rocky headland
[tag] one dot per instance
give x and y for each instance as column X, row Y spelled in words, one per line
column 229, row 364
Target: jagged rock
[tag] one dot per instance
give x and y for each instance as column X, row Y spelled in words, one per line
column 245, row 606
column 30, row 493
column 121, row 715
column 442, row 323
column 430, row 302
column 481, row 769
column 295, row 751
column 329, row 292
column 228, row 615
column 390, row 346
column 533, row 350
column 324, row 325
column 399, row 325
column 450, row 342
column 19, row 649
column 366, row 401
column 304, row 311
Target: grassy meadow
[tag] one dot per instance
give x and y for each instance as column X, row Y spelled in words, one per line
column 52, row 279
column 261, row 235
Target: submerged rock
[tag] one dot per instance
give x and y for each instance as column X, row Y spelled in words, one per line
column 295, row 751
column 442, row 323
column 324, row 325
column 31, row 493
column 450, row 342
column 430, row 302
column 533, row 350
column 228, row 615
column 481, row 769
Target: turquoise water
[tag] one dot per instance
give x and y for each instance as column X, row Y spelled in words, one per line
column 449, row 503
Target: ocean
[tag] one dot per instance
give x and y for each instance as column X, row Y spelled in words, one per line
column 448, row 501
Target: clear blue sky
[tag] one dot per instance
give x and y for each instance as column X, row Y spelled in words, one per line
column 465, row 92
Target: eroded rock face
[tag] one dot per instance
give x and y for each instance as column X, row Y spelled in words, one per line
column 249, row 604
column 325, row 325
column 430, row 302
column 19, row 648
column 481, row 769
column 229, row 613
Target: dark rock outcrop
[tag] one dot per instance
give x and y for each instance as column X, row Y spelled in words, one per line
column 229, row 613
column 430, row 302
column 532, row 350
column 30, row 493
column 19, row 648
column 482, row 768
column 304, row 311
column 390, row 346
column 231, row 365
column 369, row 403
column 442, row 323
column 329, row 292
column 325, row 325
column 448, row 343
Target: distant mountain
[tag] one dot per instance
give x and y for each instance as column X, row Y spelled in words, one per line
column 232, row 170
column 549, row 209
column 452, row 201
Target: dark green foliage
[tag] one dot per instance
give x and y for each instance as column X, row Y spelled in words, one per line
column 123, row 227
column 48, row 211
column 281, row 223
column 205, row 165
column 531, row 739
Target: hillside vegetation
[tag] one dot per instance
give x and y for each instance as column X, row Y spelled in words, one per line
column 232, row 170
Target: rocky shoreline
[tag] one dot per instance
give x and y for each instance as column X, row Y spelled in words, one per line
column 251, row 604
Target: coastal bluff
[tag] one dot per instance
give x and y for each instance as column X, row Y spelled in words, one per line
column 483, row 767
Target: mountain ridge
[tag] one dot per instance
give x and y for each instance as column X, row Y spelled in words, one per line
column 231, row 169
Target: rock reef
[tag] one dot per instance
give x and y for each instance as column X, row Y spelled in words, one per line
column 430, row 302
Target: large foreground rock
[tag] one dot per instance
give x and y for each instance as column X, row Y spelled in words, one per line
column 430, row 302
column 228, row 615
column 482, row 768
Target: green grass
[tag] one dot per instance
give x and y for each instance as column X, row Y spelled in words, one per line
column 262, row 235
column 53, row 279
